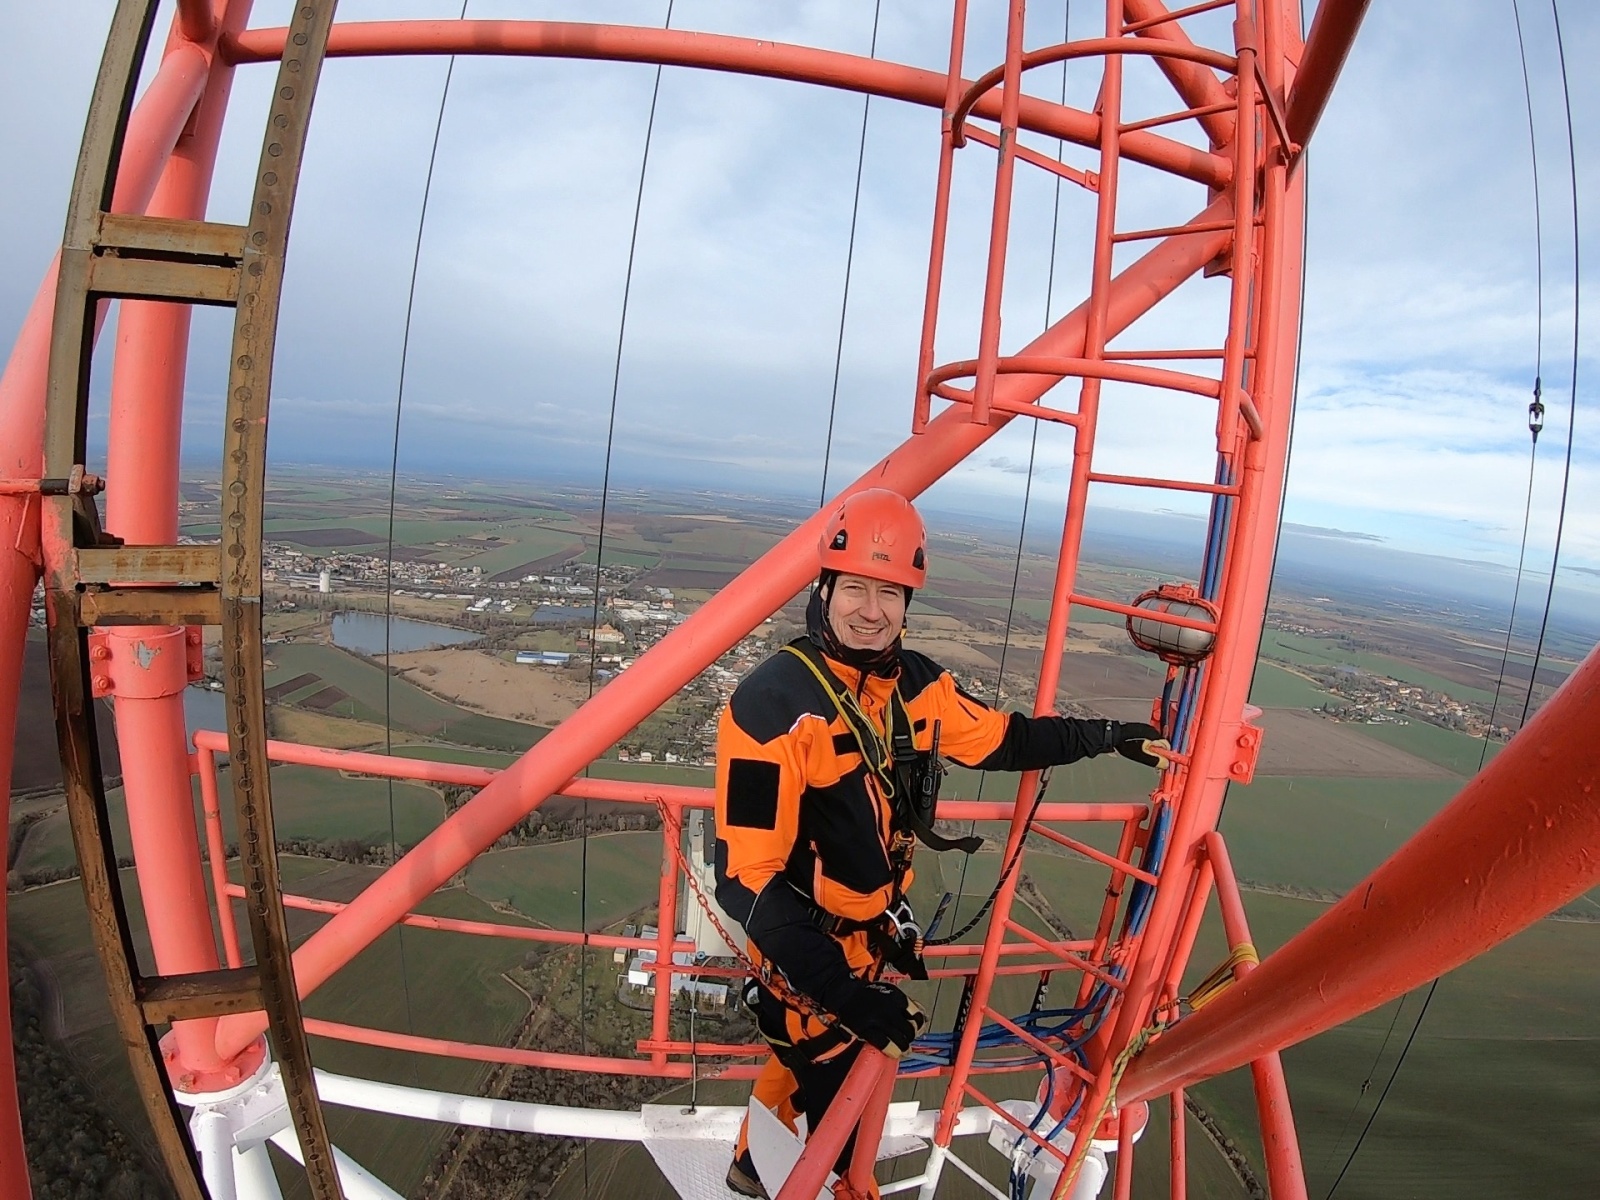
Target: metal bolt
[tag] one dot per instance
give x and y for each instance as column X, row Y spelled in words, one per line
column 100, row 653
column 1244, row 741
column 102, row 683
column 194, row 637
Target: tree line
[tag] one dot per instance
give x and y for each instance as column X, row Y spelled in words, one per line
column 75, row 1150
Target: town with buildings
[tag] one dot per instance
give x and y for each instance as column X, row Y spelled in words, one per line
column 630, row 618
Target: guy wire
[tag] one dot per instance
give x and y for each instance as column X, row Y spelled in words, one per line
column 1577, row 292
column 599, row 560
column 1572, row 403
column 1538, row 374
column 849, row 265
column 394, row 471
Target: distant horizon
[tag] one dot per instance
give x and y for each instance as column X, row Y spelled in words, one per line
column 1310, row 558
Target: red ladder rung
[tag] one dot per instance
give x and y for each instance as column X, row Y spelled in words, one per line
column 1175, row 485
column 1170, row 355
column 1141, row 235
column 1128, row 610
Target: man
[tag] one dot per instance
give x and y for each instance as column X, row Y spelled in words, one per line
column 823, row 755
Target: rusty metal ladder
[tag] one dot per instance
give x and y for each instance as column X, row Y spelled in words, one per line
column 91, row 580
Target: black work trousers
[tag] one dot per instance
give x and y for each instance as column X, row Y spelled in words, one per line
column 819, row 1082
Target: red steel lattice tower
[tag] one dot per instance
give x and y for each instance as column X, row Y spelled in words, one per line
column 123, row 597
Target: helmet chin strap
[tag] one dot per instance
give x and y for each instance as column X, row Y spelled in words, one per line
column 820, row 630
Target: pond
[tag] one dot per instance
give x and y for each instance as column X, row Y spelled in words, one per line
column 203, row 709
column 363, row 633
column 563, row 614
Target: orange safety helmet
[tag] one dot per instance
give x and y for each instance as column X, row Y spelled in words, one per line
column 878, row 534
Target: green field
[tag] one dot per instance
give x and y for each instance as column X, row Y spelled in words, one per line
column 1322, row 652
column 1276, row 688
column 1324, row 833
column 307, row 802
column 411, row 708
column 1450, row 749
column 543, row 882
column 1512, row 1032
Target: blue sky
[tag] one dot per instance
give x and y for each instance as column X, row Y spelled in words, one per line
column 1420, row 297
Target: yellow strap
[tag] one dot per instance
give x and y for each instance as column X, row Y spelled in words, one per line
column 1221, row 979
column 1212, row 986
column 878, row 764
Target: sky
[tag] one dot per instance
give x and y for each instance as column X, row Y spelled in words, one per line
column 1422, row 333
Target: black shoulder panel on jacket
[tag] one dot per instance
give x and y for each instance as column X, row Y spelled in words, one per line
column 918, row 673
column 775, row 695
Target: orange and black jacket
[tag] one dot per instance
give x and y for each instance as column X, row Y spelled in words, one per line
column 802, row 824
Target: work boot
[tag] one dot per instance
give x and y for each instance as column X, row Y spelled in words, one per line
column 742, row 1177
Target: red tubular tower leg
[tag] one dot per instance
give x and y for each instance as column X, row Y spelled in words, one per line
column 147, row 662
column 1286, row 1175
column 1180, row 1147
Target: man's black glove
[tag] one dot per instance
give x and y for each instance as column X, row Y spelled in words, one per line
column 1137, row 741
column 881, row 1015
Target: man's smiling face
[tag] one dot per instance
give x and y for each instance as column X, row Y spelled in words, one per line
column 866, row 614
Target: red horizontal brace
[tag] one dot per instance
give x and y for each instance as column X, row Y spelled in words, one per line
column 1515, row 844
column 719, row 52
column 1175, row 485
column 984, row 810
column 1158, row 355
column 393, row 766
column 706, row 1049
column 1076, row 961
column 1088, row 851
column 477, row 1052
column 1088, row 180
column 1158, row 48
column 519, row 933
